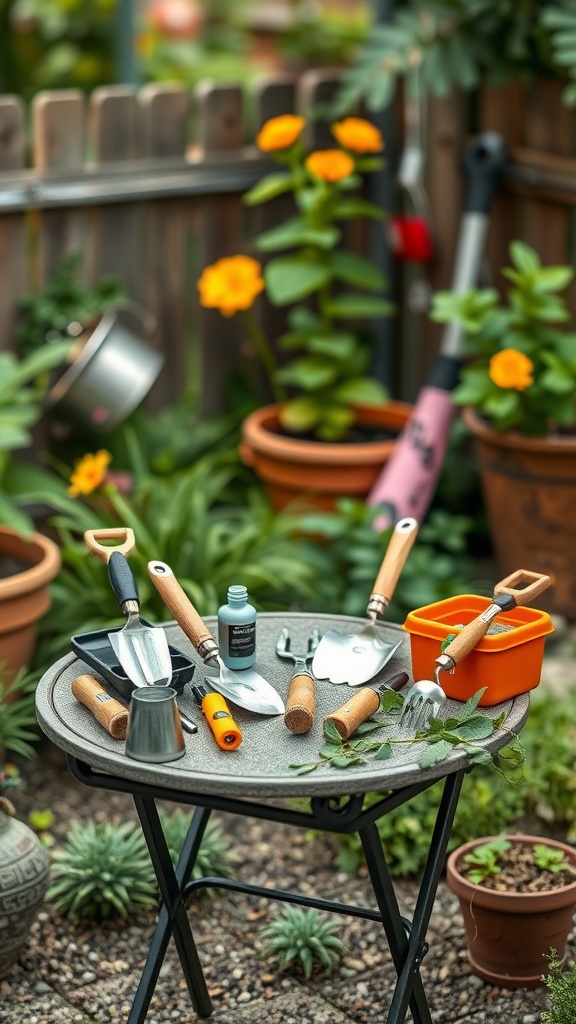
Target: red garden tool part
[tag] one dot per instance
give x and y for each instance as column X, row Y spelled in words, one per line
column 410, row 229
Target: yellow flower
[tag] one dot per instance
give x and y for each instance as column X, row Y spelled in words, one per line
column 279, row 132
column 89, row 473
column 359, row 135
column 511, row 369
column 330, row 164
column 230, row 284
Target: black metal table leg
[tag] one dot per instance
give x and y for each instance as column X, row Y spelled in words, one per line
column 410, row 950
column 173, row 919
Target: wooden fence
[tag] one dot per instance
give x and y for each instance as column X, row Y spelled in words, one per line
column 148, row 184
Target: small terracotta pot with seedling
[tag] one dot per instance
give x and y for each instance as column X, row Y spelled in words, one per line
column 517, row 896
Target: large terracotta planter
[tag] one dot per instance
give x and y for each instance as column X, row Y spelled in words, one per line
column 509, row 934
column 529, row 487
column 319, row 472
column 24, row 595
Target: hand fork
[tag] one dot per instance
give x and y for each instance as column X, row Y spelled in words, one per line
column 301, row 700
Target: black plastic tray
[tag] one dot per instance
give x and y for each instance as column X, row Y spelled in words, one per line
column 96, row 650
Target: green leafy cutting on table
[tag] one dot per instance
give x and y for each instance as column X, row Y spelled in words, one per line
column 440, row 735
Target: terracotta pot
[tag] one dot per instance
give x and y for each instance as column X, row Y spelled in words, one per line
column 24, row 596
column 529, row 487
column 318, row 472
column 509, row 934
column 24, row 868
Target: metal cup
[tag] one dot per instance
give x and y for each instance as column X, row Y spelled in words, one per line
column 154, row 731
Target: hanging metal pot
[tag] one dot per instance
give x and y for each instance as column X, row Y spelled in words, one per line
column 110, row 371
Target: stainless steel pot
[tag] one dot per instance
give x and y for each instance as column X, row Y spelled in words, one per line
column 112, row 372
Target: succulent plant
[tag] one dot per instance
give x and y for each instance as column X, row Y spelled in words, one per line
column 104, row 870
column 302, row 937
column 215, row 856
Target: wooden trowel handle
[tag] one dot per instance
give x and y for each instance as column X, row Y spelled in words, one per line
column 110, row 713
column 92, row 540
column 180, row 605
column 355, row 711
column 394, row 560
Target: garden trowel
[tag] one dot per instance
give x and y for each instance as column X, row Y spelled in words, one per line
column 247, row 688
column 356, row 659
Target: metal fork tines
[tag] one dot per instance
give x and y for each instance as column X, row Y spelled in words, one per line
column 422, row 702
column 300, row 658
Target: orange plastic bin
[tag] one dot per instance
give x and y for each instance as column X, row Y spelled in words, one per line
column 505, row 663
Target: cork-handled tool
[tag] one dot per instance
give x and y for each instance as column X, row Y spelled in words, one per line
column 301, row 700
column 110, row 713
column 363, row 704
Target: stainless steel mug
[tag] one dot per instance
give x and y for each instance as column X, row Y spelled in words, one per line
column 154, row 732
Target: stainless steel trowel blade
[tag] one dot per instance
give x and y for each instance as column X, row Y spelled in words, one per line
column 352, row 659
column 252, row 691
column 144, row 656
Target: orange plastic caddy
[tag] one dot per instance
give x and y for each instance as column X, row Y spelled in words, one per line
column 506, row 663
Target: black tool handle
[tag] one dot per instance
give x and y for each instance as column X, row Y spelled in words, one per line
column 484, row 161
column 122, row 578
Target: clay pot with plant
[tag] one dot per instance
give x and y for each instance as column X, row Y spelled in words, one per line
column 518, row 390
column 328, row 406
column 517, row 895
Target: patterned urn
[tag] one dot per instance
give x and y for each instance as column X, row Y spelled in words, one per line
column 24, row 868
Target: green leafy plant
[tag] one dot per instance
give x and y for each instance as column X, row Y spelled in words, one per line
column 44, row 317
column 549, row 859
column 561, row 984
column 215, row 856
column 17, row 716
column 303, row 938
column 549, row 739
column 327, row 377
column 484, row 860
column 23, row 385
column 455, row 44
column 104, row 870
column 521, row 363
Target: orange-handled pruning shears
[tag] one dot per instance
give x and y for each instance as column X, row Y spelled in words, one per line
column 215, row 710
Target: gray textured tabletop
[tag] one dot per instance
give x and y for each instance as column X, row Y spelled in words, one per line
column 260, row 766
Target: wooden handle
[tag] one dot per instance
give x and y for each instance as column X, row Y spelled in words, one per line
column 347, row 718
column 523, row 585
column 111, row 714
column 300, row 703
column 179, row 603
column 394, row 559
column 124, row 533
column 478, row 627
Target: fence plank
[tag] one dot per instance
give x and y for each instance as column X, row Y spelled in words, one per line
column 166, row 111
column 13, row 268
column 115, row 236
column 221, row 130
column 59, row 131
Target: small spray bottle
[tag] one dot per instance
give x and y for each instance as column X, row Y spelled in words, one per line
column 237, row 629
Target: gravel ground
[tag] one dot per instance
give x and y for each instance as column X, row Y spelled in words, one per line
column 87, row 974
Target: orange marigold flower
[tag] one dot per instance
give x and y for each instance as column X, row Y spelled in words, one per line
column 330, row 164
column 359, row 135
column 511, row 369
column 89, row 473
column 279, row 132
column 231, row 284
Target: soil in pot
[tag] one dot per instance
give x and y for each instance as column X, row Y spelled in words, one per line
column 512, row 919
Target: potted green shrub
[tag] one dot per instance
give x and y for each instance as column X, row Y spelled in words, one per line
column 518, row 390
column 325, row 395
column 517, row 896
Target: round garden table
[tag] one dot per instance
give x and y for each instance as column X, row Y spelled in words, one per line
column 236, row 781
